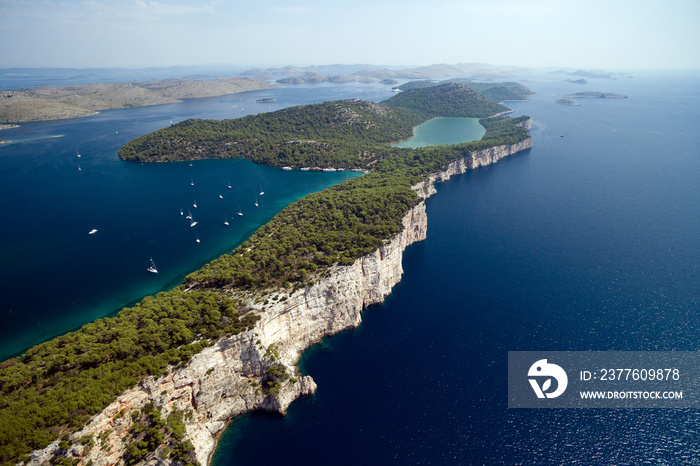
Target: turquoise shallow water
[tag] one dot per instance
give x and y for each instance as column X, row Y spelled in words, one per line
column 56, row 277
column 585, row 242
column 439, row 131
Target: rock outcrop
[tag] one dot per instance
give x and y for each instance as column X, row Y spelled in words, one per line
column 225, row 380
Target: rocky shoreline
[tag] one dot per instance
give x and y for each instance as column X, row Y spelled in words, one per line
column 55, row 103
column 223, row 381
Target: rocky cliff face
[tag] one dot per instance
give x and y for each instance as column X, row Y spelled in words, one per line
column 224, row 380
column 480, row 158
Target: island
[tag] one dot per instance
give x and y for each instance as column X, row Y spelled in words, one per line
column 60, row 102
column 496, row 91
column 596, row 95
column 161, row 380
column 266, row 99
column 566, row 102
column 364, row 73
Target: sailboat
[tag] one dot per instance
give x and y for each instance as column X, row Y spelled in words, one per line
column 191, row 182
column 229, row 184
column 256, row 202
column 197, row 240
column 195, row 204
column 79, row 152
column 225, row 220
column 189, row 215
column 152, row 268
column 220, row 196
column 261, row 191
column 239, row 210
column 192, row 222
column 79, row 169
column 181, row 211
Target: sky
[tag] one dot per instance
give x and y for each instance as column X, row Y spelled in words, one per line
column 591, row 34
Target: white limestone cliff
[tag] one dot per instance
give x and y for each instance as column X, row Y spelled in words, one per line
column 223, row 381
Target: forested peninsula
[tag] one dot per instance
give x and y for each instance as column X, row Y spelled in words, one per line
column 161, row 380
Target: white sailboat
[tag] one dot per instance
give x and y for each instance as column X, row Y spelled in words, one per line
column 229, row 184
column 191, row 182
column 197, row 240
column 93, row 231
column 256, row 202
column 192, row 223
column 152, row 268
column 220, row 196
column 225, row 220
column 195, row 204
column 189, row 215
column 261, row 191
column 181, row 211
column 79, row 169
column 239, row 210
column 79, row 152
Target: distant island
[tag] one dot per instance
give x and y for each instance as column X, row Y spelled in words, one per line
column 566, row 102
column 266, row 99
column 60, row 102
column 596, row 95
column 159, row 381
column 367, row 73
column 577, row 81
column 496, row 91
column 312, row 78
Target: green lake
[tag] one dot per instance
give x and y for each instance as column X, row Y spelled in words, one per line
column 439, row 131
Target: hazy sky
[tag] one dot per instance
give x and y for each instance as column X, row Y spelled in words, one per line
column 601, row 34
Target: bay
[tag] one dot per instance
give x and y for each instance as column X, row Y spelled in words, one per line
column 585, row 242
column 57, row 277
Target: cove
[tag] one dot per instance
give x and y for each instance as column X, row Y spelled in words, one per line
column 439, row 131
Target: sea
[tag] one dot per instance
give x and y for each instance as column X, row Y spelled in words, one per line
column 62, row 179
column 587, row 241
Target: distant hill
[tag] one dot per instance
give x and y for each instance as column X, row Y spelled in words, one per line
column 320, row 69
column 311, row 78
column 497, row 92
column 416, row 85
column 480, row 70
column 58, row 102
column 447, row 100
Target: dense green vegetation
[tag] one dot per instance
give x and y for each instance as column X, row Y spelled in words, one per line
column 446, row 100
column 54, row 389
column 348, row 134
column 495, row 91
column 57, row 386
column 151, row 437
column 416, row 85
column 335, row 226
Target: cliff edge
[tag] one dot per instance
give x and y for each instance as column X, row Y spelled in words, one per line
column 229, row 378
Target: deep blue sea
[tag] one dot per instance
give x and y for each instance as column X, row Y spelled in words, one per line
column 590, row 241
column 56, row 277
